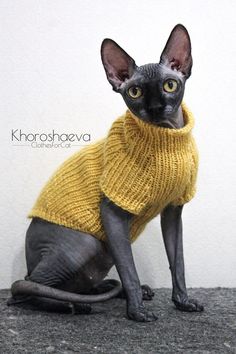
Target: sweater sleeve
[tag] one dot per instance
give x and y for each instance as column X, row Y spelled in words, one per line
column 190, row 190
column 121, row 178
column 122, row 195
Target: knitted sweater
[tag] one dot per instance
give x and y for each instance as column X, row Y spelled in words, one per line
column 139, row 166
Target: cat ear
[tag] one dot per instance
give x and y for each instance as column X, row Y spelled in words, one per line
column 118, row 65
column 177, row 52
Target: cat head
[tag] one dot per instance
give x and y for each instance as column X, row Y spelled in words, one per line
column 153, row 92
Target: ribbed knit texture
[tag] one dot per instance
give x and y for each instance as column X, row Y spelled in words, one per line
column 139, row 166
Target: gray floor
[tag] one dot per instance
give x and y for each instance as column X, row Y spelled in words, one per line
column 106, row 329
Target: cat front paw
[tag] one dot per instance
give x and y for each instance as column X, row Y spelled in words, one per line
column 188, row 305
column 141, row 314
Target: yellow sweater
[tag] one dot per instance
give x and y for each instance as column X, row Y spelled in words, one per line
column 139, row 166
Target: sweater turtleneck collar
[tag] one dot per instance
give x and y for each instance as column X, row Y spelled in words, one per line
column 135, row 126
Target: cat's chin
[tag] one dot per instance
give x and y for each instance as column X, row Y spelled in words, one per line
column 158, row 119
column 157, row 122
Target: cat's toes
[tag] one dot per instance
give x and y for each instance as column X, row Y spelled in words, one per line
column 148, row 293
column 189, row 305
column 141, row 314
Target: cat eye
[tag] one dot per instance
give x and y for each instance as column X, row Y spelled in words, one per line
column 170, row 85
column 135, row 92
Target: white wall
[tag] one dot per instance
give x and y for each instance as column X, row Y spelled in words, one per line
column 52, row 78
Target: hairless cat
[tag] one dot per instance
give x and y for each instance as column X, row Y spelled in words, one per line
column 67, row 266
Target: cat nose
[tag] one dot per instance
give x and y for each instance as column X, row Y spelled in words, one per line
column 156, row 108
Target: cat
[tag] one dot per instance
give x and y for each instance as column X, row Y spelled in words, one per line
column 67, row 264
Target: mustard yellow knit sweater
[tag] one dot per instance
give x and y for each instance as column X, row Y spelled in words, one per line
column 139, row 166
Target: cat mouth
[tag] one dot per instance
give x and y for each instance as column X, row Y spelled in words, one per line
column 161, row 113
column 158, row 116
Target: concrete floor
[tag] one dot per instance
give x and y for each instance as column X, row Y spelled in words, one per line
column 107, row 330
